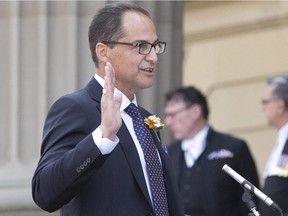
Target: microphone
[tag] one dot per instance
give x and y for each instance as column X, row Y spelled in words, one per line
column 246, row 184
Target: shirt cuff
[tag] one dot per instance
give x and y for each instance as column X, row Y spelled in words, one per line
column 105, row 145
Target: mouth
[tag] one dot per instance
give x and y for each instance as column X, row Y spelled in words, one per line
column 149, row 70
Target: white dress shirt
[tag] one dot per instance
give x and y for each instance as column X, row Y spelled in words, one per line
column 106, row 146
column 194, row 147
column 271, row 164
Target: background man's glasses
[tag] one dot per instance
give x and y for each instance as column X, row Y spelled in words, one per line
column 173, row 114
column 267, row 101
column 144, row 48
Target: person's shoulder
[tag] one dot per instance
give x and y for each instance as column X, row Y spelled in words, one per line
column 73, row 96
column 79, row 95
column 227, row 137
column 75, row 99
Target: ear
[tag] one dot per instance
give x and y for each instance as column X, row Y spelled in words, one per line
column 102, row 52
column 196, row 111
column 281, row 106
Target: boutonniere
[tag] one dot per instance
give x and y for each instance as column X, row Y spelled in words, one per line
column 281, row 172
column 281, row 169
column 154, row 123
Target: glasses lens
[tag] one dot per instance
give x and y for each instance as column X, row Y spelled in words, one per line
column 145, row 48
column 159, row 47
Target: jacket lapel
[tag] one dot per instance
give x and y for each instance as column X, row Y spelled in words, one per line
column 126, row 142
column 94, row 89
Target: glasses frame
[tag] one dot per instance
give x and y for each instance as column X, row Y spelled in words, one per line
column 268, row 101
column 139, row 44
column 173, row 114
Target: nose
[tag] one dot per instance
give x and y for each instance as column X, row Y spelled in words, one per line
column 152, row 56
column 167, row 120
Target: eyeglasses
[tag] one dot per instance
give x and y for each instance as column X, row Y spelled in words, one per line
column 173, row 114
column 268, row 101
column 144, row 47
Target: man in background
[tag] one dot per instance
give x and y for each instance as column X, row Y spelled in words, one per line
column 200, row 152
column 275, row 107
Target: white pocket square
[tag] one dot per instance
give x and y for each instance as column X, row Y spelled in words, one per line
column 220, row 154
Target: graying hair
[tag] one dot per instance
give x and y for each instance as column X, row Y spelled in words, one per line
column 280, row 88
column 107, row 24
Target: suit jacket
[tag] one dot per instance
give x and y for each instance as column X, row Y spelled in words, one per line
column 217, row 193
column 72, row 174
column 276, row 187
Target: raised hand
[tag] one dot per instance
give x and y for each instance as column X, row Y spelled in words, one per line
column 110, row 105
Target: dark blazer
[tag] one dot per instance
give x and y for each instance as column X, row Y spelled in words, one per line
column 217, row 193
column 276, row 187
column 72, row 174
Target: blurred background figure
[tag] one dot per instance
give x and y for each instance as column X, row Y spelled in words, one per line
column 275, row 107
column 199, row 153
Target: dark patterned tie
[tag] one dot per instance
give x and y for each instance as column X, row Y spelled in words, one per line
column 154, row 167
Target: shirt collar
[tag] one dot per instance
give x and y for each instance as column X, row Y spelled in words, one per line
column 125, row 100
column 283, row 132
column 197, row 143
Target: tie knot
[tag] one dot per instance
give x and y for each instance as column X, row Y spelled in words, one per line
column 132, row 110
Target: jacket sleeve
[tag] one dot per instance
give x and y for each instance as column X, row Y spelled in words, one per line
column 68, row 155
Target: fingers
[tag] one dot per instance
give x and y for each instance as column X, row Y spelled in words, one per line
column 109, row 78
column 118, row 100
column 110, row 105
column 109, row 85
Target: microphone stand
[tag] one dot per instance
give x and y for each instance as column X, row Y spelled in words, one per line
column 250, row 190
column 247, row 198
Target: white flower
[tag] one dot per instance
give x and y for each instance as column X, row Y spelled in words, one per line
column 154, row 123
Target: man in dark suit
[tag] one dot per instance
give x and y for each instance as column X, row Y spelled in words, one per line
column 93, row 162
column 275, row 107
column 200, row 152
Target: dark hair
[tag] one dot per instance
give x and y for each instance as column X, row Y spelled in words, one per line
column 107, row 24
column 190, row 95
column 280, row 88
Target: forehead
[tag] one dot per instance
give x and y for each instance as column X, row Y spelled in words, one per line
column 268, row 91
column 138, row 26
column 173, row 104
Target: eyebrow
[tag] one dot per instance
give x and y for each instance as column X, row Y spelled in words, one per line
column 145, row 41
